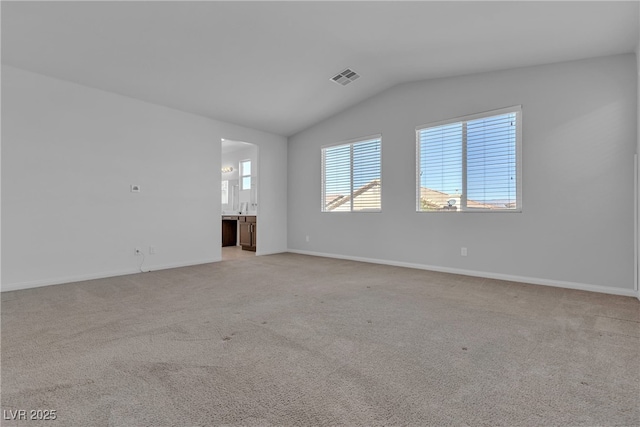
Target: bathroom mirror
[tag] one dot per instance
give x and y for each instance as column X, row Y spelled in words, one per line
column 239, row 176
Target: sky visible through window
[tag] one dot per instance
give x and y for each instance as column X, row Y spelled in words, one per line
column 366, row 163
column 245, row 172
column 491, row 160
column 338, row 170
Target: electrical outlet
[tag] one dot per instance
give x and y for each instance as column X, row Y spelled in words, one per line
column 152, row 249
column 138, row 251
column 307, row 238
column 463, row 251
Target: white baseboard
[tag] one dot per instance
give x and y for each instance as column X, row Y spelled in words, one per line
column 182, row 264
column 70, row 279
column 258, row 253
column 488, row 275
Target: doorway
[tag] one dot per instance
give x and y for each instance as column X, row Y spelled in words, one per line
column 239, row 191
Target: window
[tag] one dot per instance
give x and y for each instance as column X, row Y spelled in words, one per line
column 470, row 163
column 245, row 175
column 351, row 176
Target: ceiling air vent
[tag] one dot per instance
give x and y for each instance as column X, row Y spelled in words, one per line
column 345, row 77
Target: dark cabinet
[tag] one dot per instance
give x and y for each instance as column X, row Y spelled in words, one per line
column 248, row 232
column 229, row 231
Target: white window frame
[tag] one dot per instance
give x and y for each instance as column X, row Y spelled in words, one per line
column 351, row 143
column 517, row 109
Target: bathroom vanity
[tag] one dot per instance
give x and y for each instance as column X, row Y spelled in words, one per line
column 244, row 226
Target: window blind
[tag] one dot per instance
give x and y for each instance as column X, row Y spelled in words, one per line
column 472, row 164
column 351, row 176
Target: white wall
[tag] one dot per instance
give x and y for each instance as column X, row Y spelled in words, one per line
column 579, row 137
column 69, row 154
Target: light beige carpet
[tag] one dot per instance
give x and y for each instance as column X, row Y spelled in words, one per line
column 303, row 341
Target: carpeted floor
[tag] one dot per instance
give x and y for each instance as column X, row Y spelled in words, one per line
column 294, row 340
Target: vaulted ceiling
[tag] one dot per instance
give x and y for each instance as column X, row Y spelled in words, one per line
column 267, row 65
